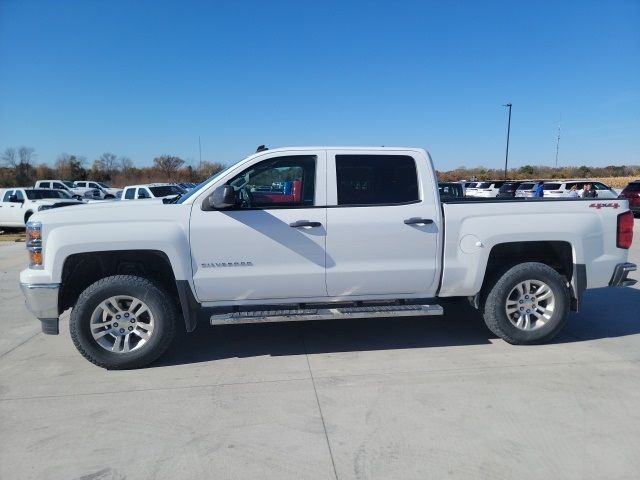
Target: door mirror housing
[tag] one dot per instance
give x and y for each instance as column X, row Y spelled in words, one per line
column 14, row 199
column 222, row 197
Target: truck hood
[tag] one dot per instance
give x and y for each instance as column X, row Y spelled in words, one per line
column 133, row 212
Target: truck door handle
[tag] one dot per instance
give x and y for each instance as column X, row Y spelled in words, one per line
column 418, row 221
column 305, row 223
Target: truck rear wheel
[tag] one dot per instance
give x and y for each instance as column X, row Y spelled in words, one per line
column 528, row 304
column 122, row 322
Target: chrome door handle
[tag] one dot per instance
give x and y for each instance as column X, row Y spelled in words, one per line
column 305, row 223
column 418, row 221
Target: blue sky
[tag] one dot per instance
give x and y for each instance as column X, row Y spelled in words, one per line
column 144, row 78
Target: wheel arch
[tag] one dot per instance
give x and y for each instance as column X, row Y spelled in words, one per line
column 558, row 255
column 83, row 269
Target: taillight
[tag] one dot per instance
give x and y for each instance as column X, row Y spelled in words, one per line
column 624, row 235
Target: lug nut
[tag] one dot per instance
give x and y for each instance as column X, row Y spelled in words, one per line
column 118, row 317
column 122, row 330
column 521, row 308
column 528, row 311
column 526, row 296
column 132, row 321
column 130, row 328
column 126, row 315
column 115, row 324
column 521, row 301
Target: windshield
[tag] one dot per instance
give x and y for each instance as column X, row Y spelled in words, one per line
column 102, row 185
column 196, row 189
column 633, row 187
column 166, row 190
column 40, row 194
column 69, row 184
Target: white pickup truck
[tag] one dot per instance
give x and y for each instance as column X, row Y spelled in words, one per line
column 310, row 234
column 17, row 205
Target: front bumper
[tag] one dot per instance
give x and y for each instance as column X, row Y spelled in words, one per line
column 41, row 299
column 619, row 278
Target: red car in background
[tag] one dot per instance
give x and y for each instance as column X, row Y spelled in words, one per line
column 632, row 193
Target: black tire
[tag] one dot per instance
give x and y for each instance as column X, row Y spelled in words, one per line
column 159, row 303
column 495, row 315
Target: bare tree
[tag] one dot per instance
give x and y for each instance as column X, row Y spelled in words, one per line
column 26, row 155
column 168, row 164
column 125, row 163
column 108, row 162
column 10, row 157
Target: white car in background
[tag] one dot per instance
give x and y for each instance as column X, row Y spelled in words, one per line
column 18, row 204
column 151, row 190
column 107, row 192
column 526, row 189
column 71, row 188
column 561, row 188
column 470, row 189
column 489, row 189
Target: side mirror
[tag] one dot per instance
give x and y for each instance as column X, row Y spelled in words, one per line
column 222, row 197
column 14, row 199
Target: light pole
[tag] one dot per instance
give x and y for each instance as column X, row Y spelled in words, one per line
column 506, row 158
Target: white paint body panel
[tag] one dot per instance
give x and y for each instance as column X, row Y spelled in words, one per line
column 358, row 253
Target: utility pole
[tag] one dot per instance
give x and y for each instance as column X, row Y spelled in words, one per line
column 557, row 145
column 506, row 158
column 200, row 150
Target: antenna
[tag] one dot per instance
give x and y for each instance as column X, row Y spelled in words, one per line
column 557, row 144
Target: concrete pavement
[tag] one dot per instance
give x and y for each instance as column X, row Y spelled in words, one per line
column 380, row 399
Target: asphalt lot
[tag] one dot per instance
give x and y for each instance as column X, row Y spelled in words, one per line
column 395, row 399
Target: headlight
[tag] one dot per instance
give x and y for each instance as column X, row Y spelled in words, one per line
column 44, row 207
column 34, row 244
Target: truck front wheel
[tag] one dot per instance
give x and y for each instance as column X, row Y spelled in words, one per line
column 528, row 304
column 122, row 322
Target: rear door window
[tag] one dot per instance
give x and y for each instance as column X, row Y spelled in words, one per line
column 44, row 185
column 376, row 180
column 59, row 185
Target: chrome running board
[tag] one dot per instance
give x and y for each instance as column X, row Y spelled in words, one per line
column 304, row 314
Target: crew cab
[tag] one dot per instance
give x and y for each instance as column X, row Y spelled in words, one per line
column 106, row 192
column 17, row 205
column 70, row 188
column 310, row 234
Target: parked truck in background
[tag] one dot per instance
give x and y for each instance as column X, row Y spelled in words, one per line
column 359, row 232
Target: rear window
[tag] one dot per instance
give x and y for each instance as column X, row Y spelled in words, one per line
column 509, row 187
column 376, row 179
column 484, row 185
column 632, row 187
column 551, row 186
